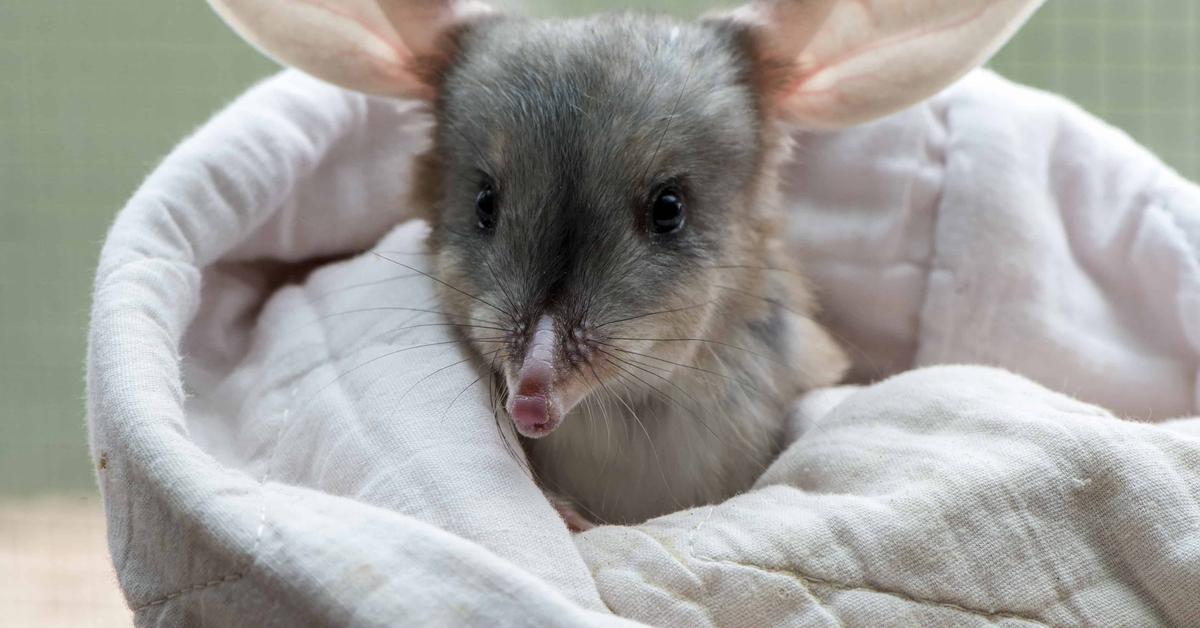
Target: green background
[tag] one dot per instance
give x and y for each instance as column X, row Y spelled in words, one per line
column 93, row 94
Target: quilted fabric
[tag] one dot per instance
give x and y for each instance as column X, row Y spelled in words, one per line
column 283, row 445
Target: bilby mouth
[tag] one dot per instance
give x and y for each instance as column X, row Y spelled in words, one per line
column 533, row 404
column 534, row 415
column 543, row 389
column 538, row 411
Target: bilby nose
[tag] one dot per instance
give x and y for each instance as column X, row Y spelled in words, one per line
column 534, row 404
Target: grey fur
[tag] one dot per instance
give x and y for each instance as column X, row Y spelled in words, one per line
column 579, row 123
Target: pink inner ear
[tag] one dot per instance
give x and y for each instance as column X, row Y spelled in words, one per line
column 364, row 45
column 420, row 23
column 802, row 19
column 869, row 58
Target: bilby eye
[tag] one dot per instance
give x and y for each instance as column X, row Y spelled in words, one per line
column 485, row 207
column 667, row 211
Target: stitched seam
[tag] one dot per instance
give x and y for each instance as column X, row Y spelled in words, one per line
column 195, row 587
column 252, row 555
column 819, row 600
column 807, row 581
column 675, row 595
column 931, row 265
column 262, row 515
column 109, row 277
column 104, row 282
column 1168, row 206
column 679, row 596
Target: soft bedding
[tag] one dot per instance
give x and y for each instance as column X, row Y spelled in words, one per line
column 283, row 437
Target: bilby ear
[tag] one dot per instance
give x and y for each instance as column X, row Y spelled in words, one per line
column 835, row 63
column 372, row 46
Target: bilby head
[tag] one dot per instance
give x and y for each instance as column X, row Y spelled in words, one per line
column 601, row 190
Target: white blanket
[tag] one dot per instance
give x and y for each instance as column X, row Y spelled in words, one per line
column 289, row 454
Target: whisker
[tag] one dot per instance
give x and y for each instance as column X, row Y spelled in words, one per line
column 705, row 340
column 393, row 353
column 456, row 325
column 590, row 410
column 316, row 395
column 316, row 298
column 456, row 397
column 401, row 309
column 632, row 318
column 646, row 370
column 649, row 440
column 369, row 334
column 503, row 289
column 677, row 404
column 422, row 253
column 752, row 267
column 504, row 437
column 544, row 482
column 679, row 364
column 435, row 372
column 474, row 147
column 671, row 117
column 746, row 449
column 448, row 285
column 771, row 300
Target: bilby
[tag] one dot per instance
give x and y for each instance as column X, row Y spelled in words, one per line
column 604, row 210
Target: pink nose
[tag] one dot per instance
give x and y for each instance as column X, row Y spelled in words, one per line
column 531, row 414
column 532, row 401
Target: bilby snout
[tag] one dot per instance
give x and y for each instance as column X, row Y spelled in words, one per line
column 544, row 387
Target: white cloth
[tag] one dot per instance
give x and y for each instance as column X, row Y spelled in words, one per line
column 274, row 455
column 1000, row 225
